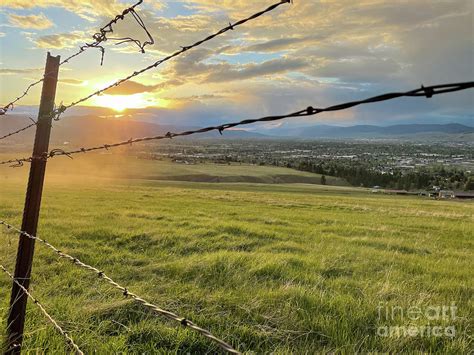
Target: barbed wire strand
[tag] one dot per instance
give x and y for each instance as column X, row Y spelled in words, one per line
column 230, row 27
column 68, row 338
column 99, row 37
column 428, row 92
column 167, row 314
column 20, row 130
column 140, row 45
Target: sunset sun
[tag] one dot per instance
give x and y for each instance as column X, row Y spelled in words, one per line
column 120, row 103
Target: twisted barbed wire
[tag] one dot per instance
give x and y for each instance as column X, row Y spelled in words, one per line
column 68, row 338
column 99, row 37
column 108, row 29
column 62, row 108
column 101, row 274
column 19, row 130
column 428, row 92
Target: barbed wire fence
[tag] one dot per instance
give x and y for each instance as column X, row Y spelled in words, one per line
column 428, row 92
column 99, row 38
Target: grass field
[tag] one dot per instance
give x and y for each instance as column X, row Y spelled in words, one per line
column 123, row 167
column 283, row 268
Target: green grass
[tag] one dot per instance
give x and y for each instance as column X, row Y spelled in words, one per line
column 289, row 268
column 119, row 166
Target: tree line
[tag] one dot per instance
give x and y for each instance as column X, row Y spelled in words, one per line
column 366, row 176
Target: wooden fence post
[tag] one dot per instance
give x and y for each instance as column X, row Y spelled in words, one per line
column 26, row 246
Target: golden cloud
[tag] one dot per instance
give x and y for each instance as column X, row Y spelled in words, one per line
column 88, row 9
column 300, row 46
column 130, row 88
column 60, row 40
column 37, row 22
column 74, row 82
column 8, row 71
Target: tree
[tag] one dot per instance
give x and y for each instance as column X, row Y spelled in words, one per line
column 469, row 183
column 323, row 179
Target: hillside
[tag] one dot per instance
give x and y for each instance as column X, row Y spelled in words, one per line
column 128, row 167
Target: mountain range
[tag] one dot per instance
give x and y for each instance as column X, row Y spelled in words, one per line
column 371, row 131
column 86, row 130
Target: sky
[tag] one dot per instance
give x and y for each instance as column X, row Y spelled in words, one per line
column 312, row 52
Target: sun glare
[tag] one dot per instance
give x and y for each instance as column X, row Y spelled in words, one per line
column 120, row 103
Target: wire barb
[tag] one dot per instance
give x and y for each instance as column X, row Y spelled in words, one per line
column 69, row 340
column 309, row 111
column 125, row 291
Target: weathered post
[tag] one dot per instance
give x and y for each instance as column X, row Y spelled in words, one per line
column 26, row 246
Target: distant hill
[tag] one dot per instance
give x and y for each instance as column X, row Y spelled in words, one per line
column 87, row 130
column 370, row 131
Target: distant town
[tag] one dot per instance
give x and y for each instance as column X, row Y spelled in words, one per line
column 401, row 166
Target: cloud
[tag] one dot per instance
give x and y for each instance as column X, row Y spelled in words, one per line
column 330, row 50
column 279, row 44
column 60, row 40
column 362, row 69
column 8, row 71
column 73, row 82
column 271, row 67
column 37, row 22
column 195, row 66
column 90, row 10
column 194, row 98
column 87, row 9
column 131, row 87
column 410, row 13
